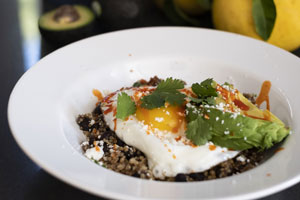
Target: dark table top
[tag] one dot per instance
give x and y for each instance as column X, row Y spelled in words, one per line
column 20, row 48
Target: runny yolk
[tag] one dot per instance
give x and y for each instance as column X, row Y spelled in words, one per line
column 170, row 118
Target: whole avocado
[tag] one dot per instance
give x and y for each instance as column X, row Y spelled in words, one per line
column 67, row 24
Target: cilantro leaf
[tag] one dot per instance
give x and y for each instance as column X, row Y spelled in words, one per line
column 169, row 85
column 166, row 91
column 192, row 113
column 210, row 100
column 203, row 101
column 153, row 101
column 196, row 100
column 198, row 131
column 125, row 106
column 205, row 89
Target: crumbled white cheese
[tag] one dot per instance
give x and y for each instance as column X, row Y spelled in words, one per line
column 92, row 122
column 234, row 115
column 94, row 154
column 220, row 106
column 188, row 105
column 159, row 119
column 226, row 87
column 241, row 158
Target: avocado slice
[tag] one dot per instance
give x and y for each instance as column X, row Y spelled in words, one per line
column 250, row 128
column 240, row 132
column 233, row 131
column 67, row 24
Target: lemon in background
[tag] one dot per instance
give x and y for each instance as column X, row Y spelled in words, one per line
column 236, row 16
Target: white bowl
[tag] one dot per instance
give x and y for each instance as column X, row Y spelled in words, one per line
column 47, row 99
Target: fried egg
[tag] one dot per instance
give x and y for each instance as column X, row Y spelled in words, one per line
column 160, row 134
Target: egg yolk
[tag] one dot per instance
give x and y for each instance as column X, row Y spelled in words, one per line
column 169, row 118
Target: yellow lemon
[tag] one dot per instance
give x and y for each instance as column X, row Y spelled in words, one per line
column 236, row 16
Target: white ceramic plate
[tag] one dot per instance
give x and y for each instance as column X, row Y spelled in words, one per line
column 45, row 102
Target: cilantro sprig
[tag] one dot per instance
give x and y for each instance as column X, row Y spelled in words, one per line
column 166, row 91
column 205, row 91
column 125, row 106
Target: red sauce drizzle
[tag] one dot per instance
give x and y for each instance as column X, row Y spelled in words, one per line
column 108, row 97
column 110, row 108
column 98, row 94
column 114, row 112
column 178, row 138
column 266, row 117
column 115, row 124
column 264, row 94
column 279, row 149
column 240, row 104
column 212, row 147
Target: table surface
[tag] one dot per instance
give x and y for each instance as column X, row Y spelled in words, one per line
column 20, row 48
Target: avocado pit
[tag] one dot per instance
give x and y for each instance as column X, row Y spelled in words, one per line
column 66, row 14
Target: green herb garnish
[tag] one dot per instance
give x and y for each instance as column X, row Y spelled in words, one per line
column 205, row 88
column 198, row 131
column 96, row 161
column 125, row 106
column 205, row 91
column 166, row 91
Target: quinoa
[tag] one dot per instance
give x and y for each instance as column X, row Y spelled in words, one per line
column 128, row 160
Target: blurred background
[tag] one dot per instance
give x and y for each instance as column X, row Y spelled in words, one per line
column 22, row 45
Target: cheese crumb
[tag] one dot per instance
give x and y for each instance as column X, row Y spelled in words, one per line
column 159, row 119
column 241, row 158
column 93, row 154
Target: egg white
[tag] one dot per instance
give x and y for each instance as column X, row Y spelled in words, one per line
column 167, row 156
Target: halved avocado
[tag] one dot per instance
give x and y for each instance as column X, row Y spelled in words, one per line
column 67, row 24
